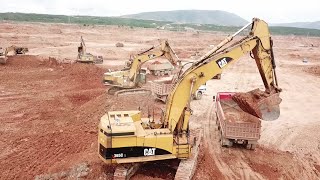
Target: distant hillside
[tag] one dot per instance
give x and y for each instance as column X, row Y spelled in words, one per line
column 193, row 16
column 85, row 20
column 310, row 25
column 166, row 25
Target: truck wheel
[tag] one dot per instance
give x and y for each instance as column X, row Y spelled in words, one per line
column 251, row 146
column 198, row 95
column 230, row 143
column 226, row 142
column 156, row 73
column 162, row 73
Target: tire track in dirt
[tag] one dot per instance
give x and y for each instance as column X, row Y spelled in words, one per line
column 209, row 130
column 215, row 148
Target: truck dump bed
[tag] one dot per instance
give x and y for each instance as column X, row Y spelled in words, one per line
column 160, row 69
column 161, row 87
column 160, row 66
column 235, row 124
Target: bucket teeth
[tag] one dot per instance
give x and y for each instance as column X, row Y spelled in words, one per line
column 260, row 104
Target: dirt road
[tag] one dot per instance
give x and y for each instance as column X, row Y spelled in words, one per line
column 289, row 147
column 50, row 111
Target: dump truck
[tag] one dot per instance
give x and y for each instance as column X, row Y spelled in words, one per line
column 162, row 88
column 235, row 126
column 160, row 69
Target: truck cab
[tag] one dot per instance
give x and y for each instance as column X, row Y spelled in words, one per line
column 202, row 90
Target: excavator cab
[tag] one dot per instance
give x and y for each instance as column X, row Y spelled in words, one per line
column 141, row 77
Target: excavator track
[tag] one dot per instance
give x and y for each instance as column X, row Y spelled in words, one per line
column 132, row 91
column 117, row 91
column 187, row 167
column 113, row 90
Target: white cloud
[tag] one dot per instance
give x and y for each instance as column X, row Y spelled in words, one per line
column 273, row 11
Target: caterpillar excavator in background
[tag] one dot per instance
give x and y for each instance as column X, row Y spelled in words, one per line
column 130, row 80
column 84, row 57
column 11, row 50
column 126, row 137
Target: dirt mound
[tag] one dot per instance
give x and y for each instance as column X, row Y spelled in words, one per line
column 238, row 116
column 315, row 70
column 119, row 44
column 50, row 113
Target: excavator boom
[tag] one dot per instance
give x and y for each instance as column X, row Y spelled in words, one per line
column 259, row 43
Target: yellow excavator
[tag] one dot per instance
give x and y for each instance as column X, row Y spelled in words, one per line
column 126, row 137
column 84, row 57
column 130, row 79
column 14, row 49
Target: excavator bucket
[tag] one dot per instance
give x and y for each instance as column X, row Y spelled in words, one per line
column 260, row 104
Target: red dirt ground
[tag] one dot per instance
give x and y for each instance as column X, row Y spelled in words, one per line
column 50, row 115
column 50, row 111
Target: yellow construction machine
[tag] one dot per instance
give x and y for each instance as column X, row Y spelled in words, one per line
column 130, row 79
column 84, row 57
column 7, row 51
column 126, row 137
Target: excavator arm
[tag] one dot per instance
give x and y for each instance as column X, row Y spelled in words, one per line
column 129, row 79
column 165, row 50
column 82, row 46
column 258, row 42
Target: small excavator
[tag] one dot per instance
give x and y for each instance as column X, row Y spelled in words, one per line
column 129, row 80
column 125, row 137
column 84, row 57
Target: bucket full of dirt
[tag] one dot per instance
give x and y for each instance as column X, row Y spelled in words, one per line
column 260, row 104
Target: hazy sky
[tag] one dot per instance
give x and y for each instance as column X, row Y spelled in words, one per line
column 273, row 11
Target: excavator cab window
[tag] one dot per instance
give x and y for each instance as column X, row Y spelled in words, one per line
column 80, row 49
